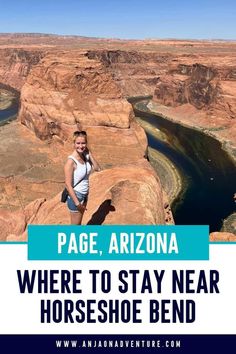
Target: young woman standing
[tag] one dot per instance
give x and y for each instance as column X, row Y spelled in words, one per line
column 77, row 170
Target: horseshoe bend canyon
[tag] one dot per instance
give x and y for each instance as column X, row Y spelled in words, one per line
column 53, row 85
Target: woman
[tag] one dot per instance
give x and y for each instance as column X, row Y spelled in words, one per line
column 77, row 169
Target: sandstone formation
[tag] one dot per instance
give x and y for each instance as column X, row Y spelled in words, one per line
column 66, row 90
column 15, row 65
column 206, row 88
column 129, row 193
column 60, row 94
column 68, row 83
column 190, row 88
column 197, row 84
column 203, row 96
column 29, row 168
column 113, row 200
column 222, row 237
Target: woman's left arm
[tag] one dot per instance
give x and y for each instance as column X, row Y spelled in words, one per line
column 95, row 164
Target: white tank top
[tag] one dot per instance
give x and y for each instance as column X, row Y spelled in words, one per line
column 81, row 173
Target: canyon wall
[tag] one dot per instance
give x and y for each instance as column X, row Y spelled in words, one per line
column 207, row 83
column 207, row 88
column 191, row 83
column 65, row 90
column 136, row 73
column 15, row 65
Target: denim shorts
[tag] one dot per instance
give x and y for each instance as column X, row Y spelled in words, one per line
column 71, row 205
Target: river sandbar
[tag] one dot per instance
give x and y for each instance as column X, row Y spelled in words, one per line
column 170, row 177
column 6, row 99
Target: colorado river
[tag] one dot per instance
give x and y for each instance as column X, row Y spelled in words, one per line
column 208, row 174
column 9, row 105
column 207, row 171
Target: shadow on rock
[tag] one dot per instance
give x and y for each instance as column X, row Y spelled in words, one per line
column 100, row 215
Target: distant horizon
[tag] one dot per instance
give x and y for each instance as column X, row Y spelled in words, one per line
column 116, row 38
column 122, row 19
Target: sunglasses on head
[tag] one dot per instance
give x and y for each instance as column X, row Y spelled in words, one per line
column 80, row 132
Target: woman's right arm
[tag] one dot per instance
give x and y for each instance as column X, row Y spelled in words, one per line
column 69, row 170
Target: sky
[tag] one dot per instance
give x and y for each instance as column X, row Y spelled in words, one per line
column 130, row 19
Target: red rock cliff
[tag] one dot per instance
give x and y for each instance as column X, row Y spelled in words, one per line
column 66, row 90
column 15, row 65
column 201, row 86
column 86, row 89
column 192, row 83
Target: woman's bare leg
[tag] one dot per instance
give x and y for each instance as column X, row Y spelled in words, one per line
column 76, row 218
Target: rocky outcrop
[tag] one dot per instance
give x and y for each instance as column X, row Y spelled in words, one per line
column 136, row 72
column 198, row 85
column 198, row 89
column 15, row 65
column 188, row 83
column 222, row 237
column 67, row 90
column 117, row 196
column 117, row 191
column 13, row 226
column 126, row 191
column 30, row 169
